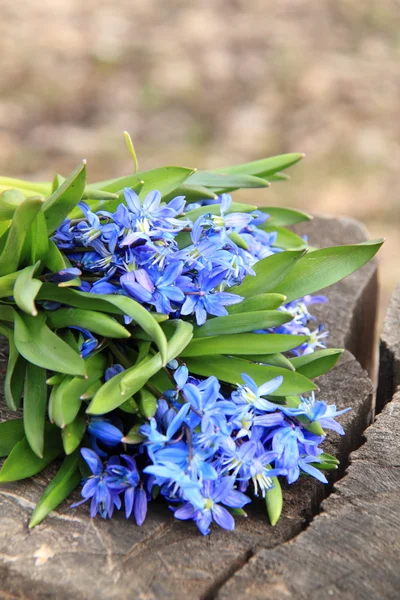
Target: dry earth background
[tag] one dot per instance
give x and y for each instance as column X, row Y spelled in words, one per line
column 210, row 83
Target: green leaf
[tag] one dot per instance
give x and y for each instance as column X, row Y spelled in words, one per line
column 73, row 433
column 275, row 360
column 264, row 167
column 39, row 239
column 64, row 198
column 19, row 229
column 11, row 432
column 9, row 202
column 131, row 150
column 279, row 216
column 67, row 400
column 121, row 305
column 274, row 501
column 285, row 239
column 35, row 403
column 316, row 364
column 15, row 374
column 22, row 462
column 60, row 487
column 226, row 180
column 243, row 343
column 26, row 289
column 228, row 369
column 133, row 436
column 37, row 187
column 40, row 346
column 90, row 193
column 192, row 193
column 147, row 403
column 55, row 260
column 242, row 323
column 96, row 322
column 321, row 268
column 119, row 388
column 164, row 179
column 215, row 209
column 7, row 284
column 260, row 302
column 270, row 271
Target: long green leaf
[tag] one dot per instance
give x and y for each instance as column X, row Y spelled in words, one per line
column 38, row 187
column 20, row 227
column 95, row 322
column 243, row 343
column 192, row 193
column 280, row 216
column 164, row 179
column 40, row 240
column 316, row 364
column 119, row 388
column 67, row 400
column 11, row 432
column 7, row 284
column 260, row 302
column 26, row 289
column 73, row 433
column 270, row 271
column 64, row 198
column 228, row 369
column 35, row 403
column 274, row 360
column 321, row 268
column 274, row 501
column 9, row 202
column 15, row 374
column 226, row 180
column 40, row 346
column 264, row 167
column 242, row 323
column 215, row 209
column 22, row 462
column 60, row 487
column 285, row 239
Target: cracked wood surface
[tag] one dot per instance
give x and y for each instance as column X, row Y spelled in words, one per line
column 71, row 556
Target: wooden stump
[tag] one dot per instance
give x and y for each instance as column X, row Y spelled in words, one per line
column 72, row 556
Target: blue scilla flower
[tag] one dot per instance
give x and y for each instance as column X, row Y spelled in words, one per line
column 125, row 479
column 103, row 499
column 288, row 440
column 64, row 275
column 226, row 222
column 64, row 236
column 214, row 494
column 155, row 438
column 202, row 297
column 250, row 461
column 152, row 213
column 250, row 393
column 246, row 419
column 175, row 483
column 88, row 343
column 318, row 411
column 112, row 371
column 102, row 430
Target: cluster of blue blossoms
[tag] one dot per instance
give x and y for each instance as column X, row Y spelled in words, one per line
column 202, row 450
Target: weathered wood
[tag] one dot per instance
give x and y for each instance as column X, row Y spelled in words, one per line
column 351, row 550
column 389, row 350
column 71, row 556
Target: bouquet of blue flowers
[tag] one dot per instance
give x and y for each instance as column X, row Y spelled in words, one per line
column 160, row 337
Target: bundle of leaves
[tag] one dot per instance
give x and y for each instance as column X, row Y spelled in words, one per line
column 160, row 337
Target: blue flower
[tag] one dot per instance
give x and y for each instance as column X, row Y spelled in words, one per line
column 156, row 439
column 102, row 430
column 250, row 393
column 318, row 411
column 202, row 298
column 214, row 494
column 125, row 479
column 65, row 275
column 96, row 489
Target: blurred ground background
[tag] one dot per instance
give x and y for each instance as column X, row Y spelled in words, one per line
column 212, row 83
